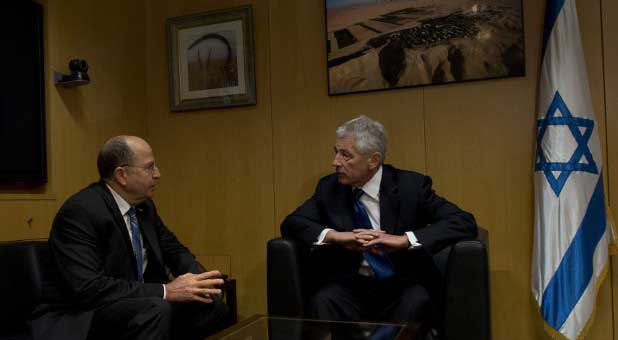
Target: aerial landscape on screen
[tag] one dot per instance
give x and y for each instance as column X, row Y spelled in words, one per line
column 381, row 44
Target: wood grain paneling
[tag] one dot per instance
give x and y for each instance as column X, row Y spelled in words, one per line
column 221, row 263
column 305, row 117
column 216, row 191
column 80, row 119
column 480, row 152
column 475, row 139
column 231, row 175
column 303, row 121
column 610, row 55
column 592, row 33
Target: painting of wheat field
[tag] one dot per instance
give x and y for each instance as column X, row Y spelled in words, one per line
column 211, row 59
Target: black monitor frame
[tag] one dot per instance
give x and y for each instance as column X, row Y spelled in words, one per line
column 23, row 109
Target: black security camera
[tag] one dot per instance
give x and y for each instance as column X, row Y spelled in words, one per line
column 79, row 69
column 78, row 75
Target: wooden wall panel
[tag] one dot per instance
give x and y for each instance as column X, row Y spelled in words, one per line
column 475, row 139
column 216, row 191
column 113, row 103
column 303, row 121
column 479, row 153
column 221, row 263
column 592, row 33
column 610, row 27
column 80, row 119
column 231, row 175
column 610, row 55
column 480, row 148
column 305, row 117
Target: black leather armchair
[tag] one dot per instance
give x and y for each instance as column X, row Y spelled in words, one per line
column 21, row 281
column 463, row 265
column 26, row 273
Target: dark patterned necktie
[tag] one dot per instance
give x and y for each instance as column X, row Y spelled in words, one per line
column 379, row 262
column 137, row 243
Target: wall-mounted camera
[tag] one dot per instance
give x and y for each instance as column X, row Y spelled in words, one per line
column 77, row 77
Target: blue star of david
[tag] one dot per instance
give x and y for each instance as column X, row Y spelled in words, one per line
column 574, row 124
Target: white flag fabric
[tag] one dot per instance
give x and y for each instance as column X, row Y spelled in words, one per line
column 571, row 231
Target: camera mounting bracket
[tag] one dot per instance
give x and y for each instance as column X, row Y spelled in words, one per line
column 77, row 77
column 66, row 80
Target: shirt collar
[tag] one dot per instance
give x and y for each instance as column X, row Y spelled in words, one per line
column 122, row 204
column 372, row 187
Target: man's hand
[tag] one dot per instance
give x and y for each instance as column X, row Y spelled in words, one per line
column 346, row 239
column 378, row 240
column 194, row 287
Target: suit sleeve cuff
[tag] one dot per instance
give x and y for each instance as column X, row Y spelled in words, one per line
column 413, row 240
column 320, row 240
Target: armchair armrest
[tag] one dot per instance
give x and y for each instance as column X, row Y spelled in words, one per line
column 464, row 267
column 229, row 294
column 467, row 308
column 286, row 291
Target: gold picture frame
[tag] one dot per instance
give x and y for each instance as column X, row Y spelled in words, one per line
column 211, row 59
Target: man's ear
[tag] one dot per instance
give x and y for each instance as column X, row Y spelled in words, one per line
column 375, row 160
column 120, row 176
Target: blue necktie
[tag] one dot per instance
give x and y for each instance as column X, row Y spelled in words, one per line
column 137, row 243
column 379, row 262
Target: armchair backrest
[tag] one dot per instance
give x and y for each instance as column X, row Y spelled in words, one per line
column 467, row 311
column 285, row 258
column 21, row 282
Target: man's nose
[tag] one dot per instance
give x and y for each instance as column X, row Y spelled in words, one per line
column 336, row 161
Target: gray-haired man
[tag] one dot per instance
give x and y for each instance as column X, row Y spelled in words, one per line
column 385, row 224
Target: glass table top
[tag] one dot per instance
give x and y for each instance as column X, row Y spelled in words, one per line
column 283, row 328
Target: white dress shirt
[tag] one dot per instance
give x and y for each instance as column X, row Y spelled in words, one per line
column 124, row 207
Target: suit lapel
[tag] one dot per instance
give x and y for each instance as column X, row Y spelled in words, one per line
column 148, row 231
column 343, row 207
column 389, row 201
column 102, row 189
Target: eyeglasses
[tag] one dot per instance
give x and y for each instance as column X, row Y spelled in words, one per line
column 150, row 168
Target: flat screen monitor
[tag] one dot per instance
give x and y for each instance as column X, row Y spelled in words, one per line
column 22, row 101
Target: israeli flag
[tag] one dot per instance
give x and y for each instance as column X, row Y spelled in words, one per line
column 571, row 235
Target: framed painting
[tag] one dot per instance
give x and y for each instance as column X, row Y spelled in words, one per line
column 211, row 59
column 384, row 44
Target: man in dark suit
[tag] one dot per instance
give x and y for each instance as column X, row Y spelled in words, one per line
column 114, row 256
column 374, row 229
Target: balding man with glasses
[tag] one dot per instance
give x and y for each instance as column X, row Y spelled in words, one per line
column 114, row 257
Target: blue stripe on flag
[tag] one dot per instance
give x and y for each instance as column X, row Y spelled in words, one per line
column 575, row 270
column 551, row 14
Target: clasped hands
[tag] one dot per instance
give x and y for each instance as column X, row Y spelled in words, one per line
column 194, row 287
column 362, row 240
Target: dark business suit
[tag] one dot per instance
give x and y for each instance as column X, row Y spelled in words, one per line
column 96, row 268
column 407, row 203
